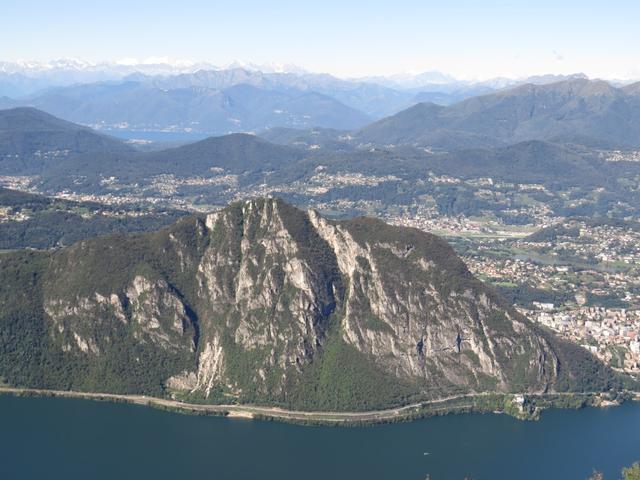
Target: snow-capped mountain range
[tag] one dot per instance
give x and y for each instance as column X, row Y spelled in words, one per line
column 64, row 70
column 161, row 94
column 25, row 77
column 127, row 66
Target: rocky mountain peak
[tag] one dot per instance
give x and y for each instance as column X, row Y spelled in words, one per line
column 264, row 302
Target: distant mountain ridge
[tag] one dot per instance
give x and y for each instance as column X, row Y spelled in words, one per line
column 30, row 138
column 21, row 78
column 235, row 153
column 36, row 143
column 580, row 111
column 198, row 97
column 52, row 153
column 231, row 106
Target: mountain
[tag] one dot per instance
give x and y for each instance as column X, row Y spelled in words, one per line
column 191, row 98
column 552, row 78
column 239, row 158
column 579, row 111
column 418, row 80
column 448, row 96
column 20, row 125
column 443, row 89
column 237, row 153
column 526, row 162
column 35, row 143
column 312, row 139
column 31, row 139
column 6, row 103
column 27, row 81
column 142, row 105
column 324, row 166
column 65, row 71
column 632, row 89
column 422, row 125
column 264, row 303
column 400, row 171
column 27, row 132
column 22, row 78
column 18, row 85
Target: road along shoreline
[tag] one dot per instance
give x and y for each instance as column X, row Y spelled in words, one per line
column 524, row 406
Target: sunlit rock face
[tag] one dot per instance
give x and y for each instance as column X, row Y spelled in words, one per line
column 254, row 300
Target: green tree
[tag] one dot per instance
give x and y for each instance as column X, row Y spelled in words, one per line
column 631, row 473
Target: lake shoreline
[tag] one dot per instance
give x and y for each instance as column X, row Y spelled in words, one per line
column 521, row 406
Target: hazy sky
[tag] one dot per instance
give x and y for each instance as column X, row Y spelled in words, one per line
column 471, row 39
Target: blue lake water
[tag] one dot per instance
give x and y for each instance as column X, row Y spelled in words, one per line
column 157, row 136
column 51, row 438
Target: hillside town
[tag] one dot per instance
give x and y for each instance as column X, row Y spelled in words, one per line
column 621, row 156
column 612, row 334
column 580, row 278
column 584, row 283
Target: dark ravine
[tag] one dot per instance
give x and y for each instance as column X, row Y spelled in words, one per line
column 266, row 304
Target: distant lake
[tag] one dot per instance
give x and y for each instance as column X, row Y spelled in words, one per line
column 56, row 438
column 156, row 136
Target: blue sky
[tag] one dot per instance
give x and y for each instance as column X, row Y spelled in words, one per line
column 473, row 39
